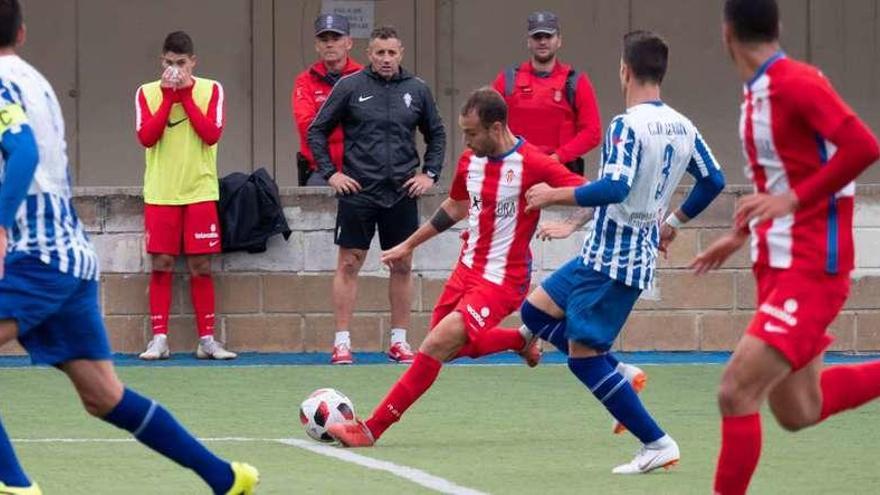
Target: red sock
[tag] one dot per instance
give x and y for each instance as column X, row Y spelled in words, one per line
column 415, row 381
column 160, row 300
column 848, row 387
column 497, row 340
column 202, row 292
column 740, row 451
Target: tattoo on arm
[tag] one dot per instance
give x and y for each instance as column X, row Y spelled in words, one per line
column 441, row 220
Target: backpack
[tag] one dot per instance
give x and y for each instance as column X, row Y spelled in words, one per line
column 570, row 84
column 250, row 211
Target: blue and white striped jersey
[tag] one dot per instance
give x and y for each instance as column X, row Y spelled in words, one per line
column 46, row 225
column 650, row 147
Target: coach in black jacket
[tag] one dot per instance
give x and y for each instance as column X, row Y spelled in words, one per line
column 379, row 108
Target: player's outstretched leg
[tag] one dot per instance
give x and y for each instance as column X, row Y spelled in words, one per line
column 617, row 395
column 552, row 328
column 13, row 479
column 442, row 343
column 495, row 340
column 104, row 396
column 847, row 387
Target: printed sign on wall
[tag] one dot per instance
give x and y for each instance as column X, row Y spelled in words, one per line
column 360, row 14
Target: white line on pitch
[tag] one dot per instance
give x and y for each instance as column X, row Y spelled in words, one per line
column 127, row 440
column 417, row 476
column 414, row 475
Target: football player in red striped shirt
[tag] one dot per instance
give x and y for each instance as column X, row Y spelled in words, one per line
column 493, row 272
column 804, row 146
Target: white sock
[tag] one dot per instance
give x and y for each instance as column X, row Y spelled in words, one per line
column 206, row 339
column 342, row 337
column 525, row 332
column 660, row 443
column 398, row 335
column 161, row 336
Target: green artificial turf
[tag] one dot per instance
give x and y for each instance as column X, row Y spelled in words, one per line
column 497, row 429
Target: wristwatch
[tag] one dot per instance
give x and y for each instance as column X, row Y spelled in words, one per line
column 433, row 175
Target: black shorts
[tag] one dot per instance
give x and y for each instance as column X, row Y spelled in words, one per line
column 356, row 223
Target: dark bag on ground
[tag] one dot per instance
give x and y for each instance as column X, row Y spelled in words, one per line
column 304, row 171
column 250, row 211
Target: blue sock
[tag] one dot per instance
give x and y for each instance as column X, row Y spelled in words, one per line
column 11, row 472
column 612, row 360
column 544, row 326
column 156, row 428
column 616, row 394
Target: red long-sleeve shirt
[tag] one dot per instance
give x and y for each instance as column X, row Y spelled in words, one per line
column 311, row 88
column 208, row 125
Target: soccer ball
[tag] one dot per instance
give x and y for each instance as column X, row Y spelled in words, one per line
column 322, row 408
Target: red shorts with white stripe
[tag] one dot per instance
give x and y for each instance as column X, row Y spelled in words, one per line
column 795, row 309
column 192, row 229
column 482, row 304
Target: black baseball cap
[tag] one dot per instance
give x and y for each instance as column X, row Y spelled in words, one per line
column 543, row 21
column 331, row 23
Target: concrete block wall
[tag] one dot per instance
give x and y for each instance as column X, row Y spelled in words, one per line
column 280, row 300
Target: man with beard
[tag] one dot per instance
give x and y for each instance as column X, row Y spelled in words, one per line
column 379, row 108
column 493, row 271
column 551, row 104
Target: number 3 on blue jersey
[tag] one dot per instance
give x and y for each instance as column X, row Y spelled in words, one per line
column 668, row 153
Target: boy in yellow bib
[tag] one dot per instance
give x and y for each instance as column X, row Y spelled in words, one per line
column 179, row 121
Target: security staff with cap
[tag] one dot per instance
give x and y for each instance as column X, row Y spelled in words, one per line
column 551, row 104
column 380, row 109
column 313, row 85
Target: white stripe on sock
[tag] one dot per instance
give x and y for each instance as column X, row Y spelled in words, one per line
column 140, row 429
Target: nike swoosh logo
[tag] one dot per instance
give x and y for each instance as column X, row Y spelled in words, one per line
column 172, row 124
column 213, row 243
column 770, row 327
column 362, row 99
column 644, row 466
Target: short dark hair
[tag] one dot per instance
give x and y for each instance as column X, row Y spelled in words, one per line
column 753, row 21
column 10, row 22
column 646, row 54
column 178, row 42
column 489, row 106
column 384, row 33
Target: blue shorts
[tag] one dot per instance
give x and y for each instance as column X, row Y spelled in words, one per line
column 596, row 306
column 58, row 315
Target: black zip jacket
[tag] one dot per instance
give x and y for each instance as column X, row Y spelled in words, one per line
column 379, row 119
column 250, row 211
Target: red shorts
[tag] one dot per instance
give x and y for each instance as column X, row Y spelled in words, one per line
column 194, row 228
column 795, row 310
column 482, row 304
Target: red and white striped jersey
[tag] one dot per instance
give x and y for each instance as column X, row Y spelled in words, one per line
column 789, row 111
column 496, row 243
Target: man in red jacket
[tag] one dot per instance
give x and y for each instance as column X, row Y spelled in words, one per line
column 333, row 44
column 551, row 104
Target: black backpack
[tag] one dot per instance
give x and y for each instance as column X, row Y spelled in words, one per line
column 250, row 211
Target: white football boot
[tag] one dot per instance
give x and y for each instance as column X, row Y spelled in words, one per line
column 157, row 348
column 662, row 453
column 211, row 349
